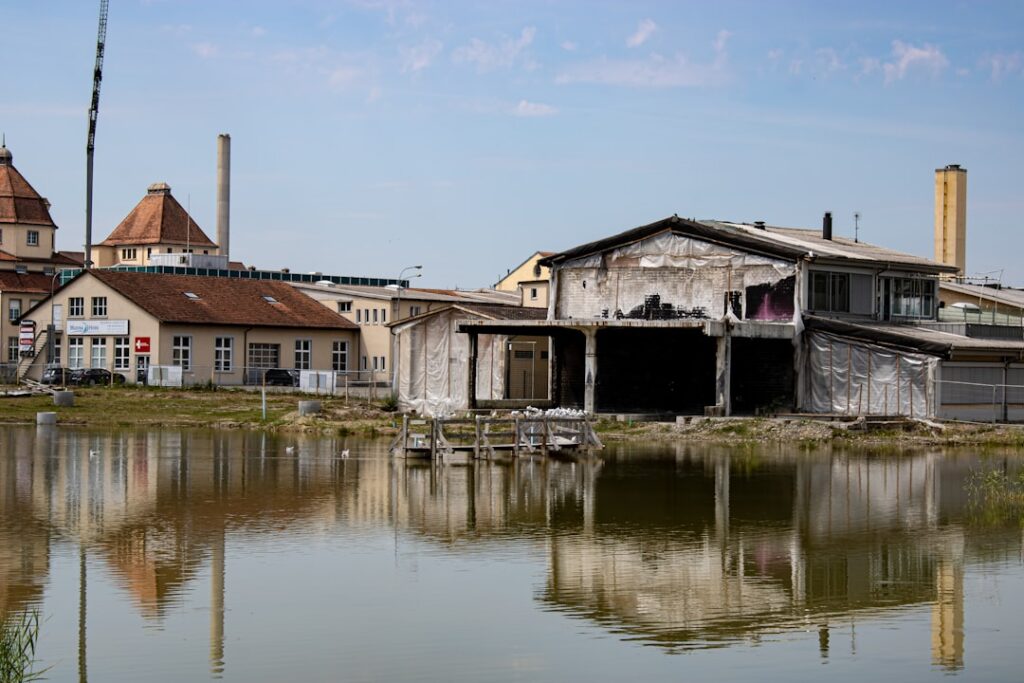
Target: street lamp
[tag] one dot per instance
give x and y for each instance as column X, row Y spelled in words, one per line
column 398, row 316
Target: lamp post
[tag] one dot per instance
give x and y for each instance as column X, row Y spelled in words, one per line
column 398, row 316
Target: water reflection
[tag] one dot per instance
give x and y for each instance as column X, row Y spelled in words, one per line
column 683, row 547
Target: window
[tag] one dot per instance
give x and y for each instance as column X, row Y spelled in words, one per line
column 122, row 351
column 99, row 353
column 366, row 316
column 303, row 354
column 76, row 307
column 149, row 252
column 375, row 363
column 910, row 297
column 830, row 292
column 383, row 365
column 365, row 365
column 533, row 293
column 263, row 356
column 12, row 349
column 49, row 270
column 383, row 315
column 375, row 316
column 181, row 352
column 20, row 269
column 223, row 351
column 76, row 352
column 414, row 310
column 32, row 238
column 99, row 307
column 56, row 351
column 359, row 316
column 339, row 356
column 1, row 236
column 13, row 310
column 345, row 307
column 129, row 254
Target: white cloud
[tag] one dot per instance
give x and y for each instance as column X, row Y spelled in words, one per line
column 344, row 75
column 775, row 54
column 569, row 46
column 644, row 30
column 487, row 57
column 375, row 94
column 525, row 108
column 910, row 57
column 205, row 50
column 258, row 31
column 419, row 57
column 1001, row 66
column 656, row 71
column 869, row 65
column 829, row 60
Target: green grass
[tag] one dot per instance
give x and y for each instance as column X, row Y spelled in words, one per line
column 19, row 634
column 996, row 497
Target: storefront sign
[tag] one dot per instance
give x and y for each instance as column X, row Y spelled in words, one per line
column 77, row 328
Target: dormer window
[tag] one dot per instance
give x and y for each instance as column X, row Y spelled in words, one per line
column 32, row 238
column 20, row 269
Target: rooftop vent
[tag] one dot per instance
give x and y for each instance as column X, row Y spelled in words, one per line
column 269, row 299
column 759, row 225
column 159, row 188
column 826, row 226
column 191, row 296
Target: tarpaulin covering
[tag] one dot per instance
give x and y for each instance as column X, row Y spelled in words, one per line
column 851, row 377
column 685, row 273
column 433, row 371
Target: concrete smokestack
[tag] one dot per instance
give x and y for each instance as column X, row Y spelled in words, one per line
column 224, row 194
column 826, row 226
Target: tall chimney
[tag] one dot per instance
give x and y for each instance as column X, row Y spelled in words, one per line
column 826, row 226
column 951, row 216
column 224, row 193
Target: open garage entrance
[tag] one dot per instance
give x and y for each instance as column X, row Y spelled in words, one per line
column 762, row 375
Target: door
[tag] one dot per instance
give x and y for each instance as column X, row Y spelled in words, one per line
column 142, row 369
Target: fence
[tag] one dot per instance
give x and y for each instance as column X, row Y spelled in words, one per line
column 372, row 384
column 980, row 401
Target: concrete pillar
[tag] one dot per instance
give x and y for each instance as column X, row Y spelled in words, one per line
column 590, row 372
column 723, row 372
column 471, row 374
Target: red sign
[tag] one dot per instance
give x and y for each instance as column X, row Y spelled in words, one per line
column 142, row 345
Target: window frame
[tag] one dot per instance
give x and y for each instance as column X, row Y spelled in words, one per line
column 122, row 353
column 339, row 351
column 181, row 352
column 98, row 360
column 76, row 306
column 29, row 235
column 76, row 361
column 224, row 354
column 98, row 307
column 303, row 356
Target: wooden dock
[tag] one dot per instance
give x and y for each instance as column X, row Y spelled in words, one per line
column 494, row 438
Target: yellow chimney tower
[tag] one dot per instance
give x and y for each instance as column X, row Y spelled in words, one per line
column 951, row 216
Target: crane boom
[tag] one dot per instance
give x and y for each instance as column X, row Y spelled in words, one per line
column 94, row 110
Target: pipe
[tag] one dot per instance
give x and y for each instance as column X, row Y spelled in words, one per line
column 224, row 194
column 826, row 226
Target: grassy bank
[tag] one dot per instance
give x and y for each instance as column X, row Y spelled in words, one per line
column 241, row 409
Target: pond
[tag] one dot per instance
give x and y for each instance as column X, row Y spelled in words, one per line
column 191, row 555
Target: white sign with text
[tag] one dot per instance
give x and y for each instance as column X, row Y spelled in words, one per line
column 76, row 328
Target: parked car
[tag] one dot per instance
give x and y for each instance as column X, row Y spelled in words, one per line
column 280, row 377
column 55, row 376
column 91, row 376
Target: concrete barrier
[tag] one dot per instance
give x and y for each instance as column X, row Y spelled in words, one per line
column 64, row 399
column 309, row 407
column 46, row 418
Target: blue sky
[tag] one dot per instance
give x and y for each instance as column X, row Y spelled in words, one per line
column 368, row 135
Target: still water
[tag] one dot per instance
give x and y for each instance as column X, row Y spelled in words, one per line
column 188, row 555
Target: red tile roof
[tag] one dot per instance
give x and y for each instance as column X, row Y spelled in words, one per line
column 158, row 219
column 60, row 258
column 34, row 283
column 221, row 301
column 19, row 202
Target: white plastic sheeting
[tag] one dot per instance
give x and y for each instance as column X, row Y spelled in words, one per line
column 858, row 378
column 165, row 376
column 685, row 271
column 433, row 371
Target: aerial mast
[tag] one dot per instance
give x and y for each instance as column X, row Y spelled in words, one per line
column 94, row 109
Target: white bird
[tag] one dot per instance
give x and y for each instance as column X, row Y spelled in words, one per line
column 289, row 450
column 344, row 453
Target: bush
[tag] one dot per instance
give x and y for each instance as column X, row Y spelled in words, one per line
column 18, row 638
column 389, row 404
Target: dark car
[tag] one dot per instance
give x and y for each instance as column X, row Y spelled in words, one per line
column 91, row 376
column 280, row 377
column 55, row 376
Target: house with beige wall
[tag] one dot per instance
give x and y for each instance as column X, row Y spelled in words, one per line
column 28, row 257
column 530, row 280
column 157, row 225
column 372, row 309
column 223, row 330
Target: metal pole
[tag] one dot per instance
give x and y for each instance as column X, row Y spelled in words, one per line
column 397, row 317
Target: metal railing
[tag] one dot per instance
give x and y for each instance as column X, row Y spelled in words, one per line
column 980, row 401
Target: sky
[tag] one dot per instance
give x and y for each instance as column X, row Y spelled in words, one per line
column 371, row 135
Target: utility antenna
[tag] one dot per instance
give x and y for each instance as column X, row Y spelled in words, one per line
column 94, row 110
column 188, row 224
column 856, row 226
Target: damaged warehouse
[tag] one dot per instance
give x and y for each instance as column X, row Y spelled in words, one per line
column 692, row 317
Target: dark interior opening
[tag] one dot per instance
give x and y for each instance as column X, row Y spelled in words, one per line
column 655, row 370
column 762, row 375
column 569, row 371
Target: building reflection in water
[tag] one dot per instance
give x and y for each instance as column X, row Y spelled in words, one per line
column 695, row 547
